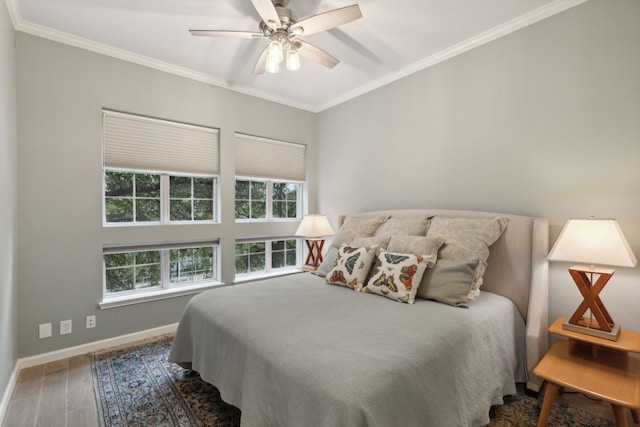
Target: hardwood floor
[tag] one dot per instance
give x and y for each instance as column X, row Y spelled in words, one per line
column 56, row 394
column 60, row 394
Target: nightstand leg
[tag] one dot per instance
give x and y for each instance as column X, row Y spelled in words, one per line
column 621, row 418
column 549, row 396
column 635, row 415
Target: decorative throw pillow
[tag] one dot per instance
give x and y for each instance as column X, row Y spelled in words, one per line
column 353, row 226
column 351, row 266
column 403, row 226
column 448, row 282
column 397, row 276
column 467, row 239
column 416, row 245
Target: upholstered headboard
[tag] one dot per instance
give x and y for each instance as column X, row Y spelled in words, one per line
column 517, row 269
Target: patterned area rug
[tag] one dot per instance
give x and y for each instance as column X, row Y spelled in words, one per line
column 136, row 386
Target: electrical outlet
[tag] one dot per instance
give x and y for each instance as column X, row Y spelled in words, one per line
column 44, row 330
column 65, row 327
column 91, row 322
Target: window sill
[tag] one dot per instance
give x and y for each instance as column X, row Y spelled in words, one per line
column 121, row 301
column 261, row 276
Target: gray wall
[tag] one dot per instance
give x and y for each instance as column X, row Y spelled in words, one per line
column 61, row 91
column 8, row 201
column 544, row 121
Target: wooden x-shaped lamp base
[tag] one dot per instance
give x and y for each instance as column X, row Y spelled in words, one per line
column 314, row 257
column 603, row 324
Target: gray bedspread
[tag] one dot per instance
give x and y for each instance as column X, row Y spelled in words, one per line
column 294, row 351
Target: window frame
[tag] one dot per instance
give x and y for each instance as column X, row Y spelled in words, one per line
column 269, row 200
column 165, row 199
column 166, row 288
column 269, row 271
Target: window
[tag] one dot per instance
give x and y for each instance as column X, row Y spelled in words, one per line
column 158, row 171
column 267, row 200
column 138, row 197
column 270, row 177
column 141, row 270
column 266, row 257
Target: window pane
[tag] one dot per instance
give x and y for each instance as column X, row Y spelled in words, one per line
column 118, row 260
column 147, row 185
column 148, row 276
column 292, row 210
column 147, row 257
column 256, row 247
column 148, row 210
column 180, row 187
column 277, row 260
column 118, row 210
column 280, row 209
column 258, row 190
column 119, row 279
column 258, row 210
column 242, row 264
column 180, row 210
column 292, row 244
column 257, row 262
column 203, row 188
column 242, row 190
column 279, row 191
column 292, row 192
column 277, row 245
column 118, row 184
column 203, row 210
column 242, row 210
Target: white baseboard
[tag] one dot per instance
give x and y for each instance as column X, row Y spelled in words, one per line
column 8, row 392
column 64, row 353
column 93, row 346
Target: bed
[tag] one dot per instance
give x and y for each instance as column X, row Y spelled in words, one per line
column 297, row 351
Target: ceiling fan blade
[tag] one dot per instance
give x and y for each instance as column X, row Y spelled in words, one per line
column 261, row 64
column 268, row 13
column 219, row 33
column 327, row 20
column 315, row 54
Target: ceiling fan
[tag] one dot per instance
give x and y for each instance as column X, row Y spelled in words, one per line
column 281, row 27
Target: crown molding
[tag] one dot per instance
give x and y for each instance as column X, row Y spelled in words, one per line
column 523, row 21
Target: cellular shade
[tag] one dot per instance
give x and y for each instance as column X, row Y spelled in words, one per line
column 257, row 157
column 142, row 143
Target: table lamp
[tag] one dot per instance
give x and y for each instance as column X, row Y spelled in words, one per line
column 313, row 228
column 592, row 241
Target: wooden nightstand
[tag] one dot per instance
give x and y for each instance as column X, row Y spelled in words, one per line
column 597, row 367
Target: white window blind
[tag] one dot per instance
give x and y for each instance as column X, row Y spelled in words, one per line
column 142, row 143
column 266, row 158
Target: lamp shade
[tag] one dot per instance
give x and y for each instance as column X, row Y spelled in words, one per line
column 314, row 226
column 593, row 241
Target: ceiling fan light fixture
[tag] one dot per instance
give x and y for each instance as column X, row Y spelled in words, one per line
column 293, row 60
column 275, row 51
column 272, row 66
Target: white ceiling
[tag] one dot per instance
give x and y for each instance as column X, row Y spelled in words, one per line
column 393, row 39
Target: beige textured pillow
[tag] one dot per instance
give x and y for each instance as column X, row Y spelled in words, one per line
column 359, row 242
column 403, row 226
column 448, row 282
column 416, row 245
column 354, row 226
column 467, row 239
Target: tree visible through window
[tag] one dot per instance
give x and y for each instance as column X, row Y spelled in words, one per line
column 139, row 197
column 267, row 199
column 144, row 270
